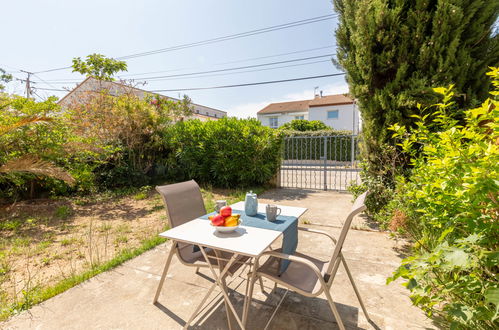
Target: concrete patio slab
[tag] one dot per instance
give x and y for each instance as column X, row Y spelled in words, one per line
column 327, row 208
column 122, row 298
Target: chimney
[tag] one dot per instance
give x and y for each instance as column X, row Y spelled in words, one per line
column 321, row 94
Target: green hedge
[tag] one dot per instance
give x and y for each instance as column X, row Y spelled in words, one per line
column 228, row 152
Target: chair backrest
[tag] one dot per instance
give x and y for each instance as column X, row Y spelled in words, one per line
column 357, row 207
column 183, row 202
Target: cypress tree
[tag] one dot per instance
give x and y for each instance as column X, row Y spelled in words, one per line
column 394, row 51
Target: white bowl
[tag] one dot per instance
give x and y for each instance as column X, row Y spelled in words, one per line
column 223, row 229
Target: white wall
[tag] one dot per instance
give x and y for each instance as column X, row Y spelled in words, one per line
column 283, row 118
column 344, row 120
column 207, row 111
column 94, row 85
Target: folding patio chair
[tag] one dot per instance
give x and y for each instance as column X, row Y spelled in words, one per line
column 183, row 203
column 307, row 275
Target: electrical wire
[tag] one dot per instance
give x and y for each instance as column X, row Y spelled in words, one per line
column 236, row 68
column 231, row 62
column 218, row 39
column 248, row 84
column 51, row 89
column 246, row 71
column 214, row 71
column 233, row 36
column 228, row 86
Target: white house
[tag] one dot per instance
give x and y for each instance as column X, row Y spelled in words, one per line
column 336, row 111
column 90, row 84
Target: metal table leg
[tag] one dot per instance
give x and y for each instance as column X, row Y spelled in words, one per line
column 219, row 283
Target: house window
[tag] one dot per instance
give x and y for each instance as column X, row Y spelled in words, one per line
column 216, row 116
column 300, row 117
column 273, row 122
column 332, row 114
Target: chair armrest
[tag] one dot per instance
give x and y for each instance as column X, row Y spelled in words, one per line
column 289, row 257
column 315, row 231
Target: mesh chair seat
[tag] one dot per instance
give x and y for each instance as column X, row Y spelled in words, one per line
column 184, row 202
column 297, row 275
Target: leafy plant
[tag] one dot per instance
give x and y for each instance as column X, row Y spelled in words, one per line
column 29, row 136
column 228, row 152
column 4, row 78
column 63, row 212
column 303, row 125
column 449, row 206
column 98, row 66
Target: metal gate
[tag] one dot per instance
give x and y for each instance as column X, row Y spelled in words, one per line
column 320, row 162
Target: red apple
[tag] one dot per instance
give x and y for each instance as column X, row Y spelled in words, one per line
column 218, row 220
column 226, row 211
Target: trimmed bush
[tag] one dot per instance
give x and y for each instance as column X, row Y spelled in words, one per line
column 228, row 152
column 303, row 125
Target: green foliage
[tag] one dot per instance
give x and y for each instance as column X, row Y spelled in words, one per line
column 4, row 78
column 129, row 131
column 32, row 136
column 303, row 125
column 329, row 144
column 323, row 132
column 449, row 206
column 228, row 152
column 98, row 66
column 63, row 212
column 394, row 51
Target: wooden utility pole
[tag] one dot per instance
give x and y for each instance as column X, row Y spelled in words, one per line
column 28, row 83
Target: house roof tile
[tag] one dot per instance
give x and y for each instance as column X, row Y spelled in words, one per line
column 330, row 100
column 303, row 105
column 294, row 106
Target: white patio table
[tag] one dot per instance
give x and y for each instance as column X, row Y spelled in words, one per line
column 244, row 241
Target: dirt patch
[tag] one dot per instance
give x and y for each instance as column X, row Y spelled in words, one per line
column 44, row 241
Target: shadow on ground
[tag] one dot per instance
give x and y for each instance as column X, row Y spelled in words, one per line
column 295, row 312
column 287, row 194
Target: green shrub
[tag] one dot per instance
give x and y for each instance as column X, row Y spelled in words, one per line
column 449, row 206
column 63, row 212
column 228, row 152
column 303, row 125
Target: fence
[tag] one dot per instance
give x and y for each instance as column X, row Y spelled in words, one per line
column 320, row 162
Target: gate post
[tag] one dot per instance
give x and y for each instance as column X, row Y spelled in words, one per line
column 325, row 163
column 353, row 151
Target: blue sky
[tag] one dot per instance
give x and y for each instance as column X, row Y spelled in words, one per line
column 41, row 34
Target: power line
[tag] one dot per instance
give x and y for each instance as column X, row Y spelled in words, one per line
column 228, row 86
column 44, row 81
column 234, row 36
column 231, row 62
column 237, row 68
column 222, row 74
column 51, row 89
column 225, row 69
column 219, row 39
column 246, row 71
column 248, row 84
